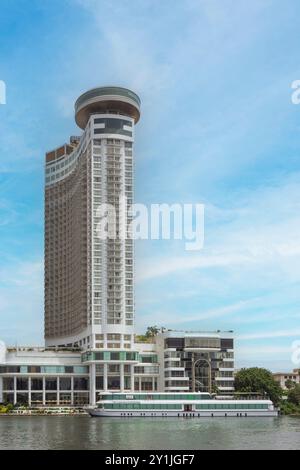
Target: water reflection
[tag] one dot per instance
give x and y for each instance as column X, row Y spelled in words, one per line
column 114, row 433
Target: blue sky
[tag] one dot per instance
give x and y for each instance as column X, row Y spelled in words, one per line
column 218, row 127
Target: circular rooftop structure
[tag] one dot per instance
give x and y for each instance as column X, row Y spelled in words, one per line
column 107, row 99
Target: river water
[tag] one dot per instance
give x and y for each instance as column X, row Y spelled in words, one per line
column 83, row 432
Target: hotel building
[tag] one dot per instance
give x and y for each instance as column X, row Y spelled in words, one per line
column 89, row 280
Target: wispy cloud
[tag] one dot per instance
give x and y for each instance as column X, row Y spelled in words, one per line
column 290, row 333
column 169, row 319
column 259, row 230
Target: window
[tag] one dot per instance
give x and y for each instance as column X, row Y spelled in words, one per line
column 81, row 399
column 99, row 356
column 99, row 383
column 51, row 399
column 114, row 356
column 203, row 343
column 146, row 384
column 36, row 384
column 113, row 383
column 22, row 398
column 22, row 383
column 226, row 343
column 113, row 337
column 113, row 126
column 113, row 368
column 177, row 383
column 99, row 369
column 146, row 370
column 36, row 398
column 52, row 369
column 9, row 370
column 51, row 383
column 8, row 383
column 147, row 359
column 81, row 383
column 81, row 370
column 65, row 399
column 65, row 383
column 130, row 356
column 174, row 343
column 34, row 370
column 127, row 382
column 8, row 398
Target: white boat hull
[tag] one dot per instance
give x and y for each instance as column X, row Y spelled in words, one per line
column 101, row 413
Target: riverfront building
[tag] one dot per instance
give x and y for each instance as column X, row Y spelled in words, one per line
column 174, row 362
column 284, row 378
column 90, row 343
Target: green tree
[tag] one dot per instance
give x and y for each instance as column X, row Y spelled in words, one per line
column 257, row 380
column 152, row 331
column 294, row 395
column 290, row 384
column 215, row 389
column 150, row 334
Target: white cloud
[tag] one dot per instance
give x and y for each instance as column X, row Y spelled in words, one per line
column 169, row 319
column 260, row 231
column 290, row 333
column 245, row 352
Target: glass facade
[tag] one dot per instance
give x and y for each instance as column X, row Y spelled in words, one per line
column 107, row 356
column 113, row 126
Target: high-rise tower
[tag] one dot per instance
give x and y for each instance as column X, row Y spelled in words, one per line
column 89, row 280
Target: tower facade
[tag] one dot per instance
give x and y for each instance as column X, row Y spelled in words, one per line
column 89, row 274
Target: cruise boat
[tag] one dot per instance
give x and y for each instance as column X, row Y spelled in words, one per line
column 186, row 405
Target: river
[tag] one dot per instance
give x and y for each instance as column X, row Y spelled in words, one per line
column 151, row 434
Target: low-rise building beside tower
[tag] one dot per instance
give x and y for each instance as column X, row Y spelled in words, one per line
column 89, row 281
column 173, row 362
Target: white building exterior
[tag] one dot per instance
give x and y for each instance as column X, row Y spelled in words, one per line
column 89, row 281
column 174, row 362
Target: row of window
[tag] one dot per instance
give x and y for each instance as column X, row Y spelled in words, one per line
column 118, row 356
column 44, row 370
column 51, row 383
column 113, row 130
column 233, row 406
column 168, row 406
column 165, row 396
column 146, row 370
column 138, row 406
column 50, row 399
column 112, row 337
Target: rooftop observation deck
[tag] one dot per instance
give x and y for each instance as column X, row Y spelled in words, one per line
column 107, row 99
